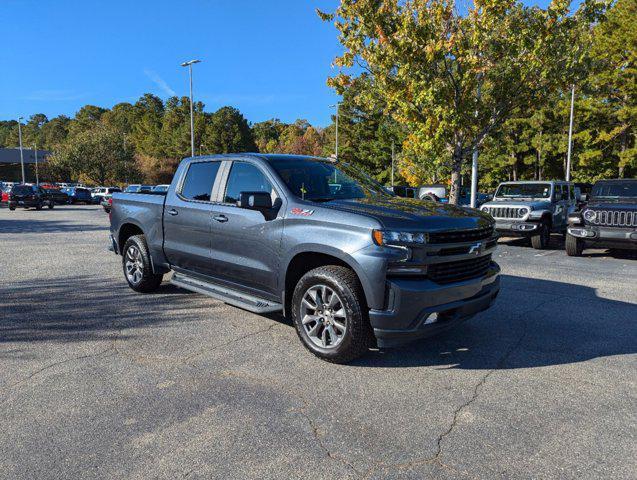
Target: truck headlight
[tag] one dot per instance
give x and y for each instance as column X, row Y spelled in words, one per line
column 590, row 215
column 397, row 238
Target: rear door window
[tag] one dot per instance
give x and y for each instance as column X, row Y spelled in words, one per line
column 199, row 180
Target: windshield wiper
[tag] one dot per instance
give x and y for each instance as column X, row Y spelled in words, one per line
column 322, row 199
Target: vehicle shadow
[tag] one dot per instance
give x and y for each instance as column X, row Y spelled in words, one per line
column 534, row 323
column 85, row 308
column 556, row 243
column 45, row 226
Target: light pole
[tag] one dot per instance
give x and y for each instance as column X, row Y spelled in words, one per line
column 37, row 178
column 570, row 136
column 474, row 158
column 189, row 64
column 392, row 164
column 21, row 154
column 338, row 112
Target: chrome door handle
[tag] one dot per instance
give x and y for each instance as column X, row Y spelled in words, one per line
column 173, row 212
column 220, row 218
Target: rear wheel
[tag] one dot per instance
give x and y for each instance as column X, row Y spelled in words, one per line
column 39, row 206
column 137, row 266
column 51, row 205
column 542, row 238
column 574, row 246
column 330, row 316
column 11, row 208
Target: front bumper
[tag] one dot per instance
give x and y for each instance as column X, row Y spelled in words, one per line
column 605, row 236
column 516, row 228
column 412, row 302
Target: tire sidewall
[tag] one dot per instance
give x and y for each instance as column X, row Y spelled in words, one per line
column 149, row 280
column 352, row 309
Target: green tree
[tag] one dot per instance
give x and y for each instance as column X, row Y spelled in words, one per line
column 427, row 63
column 228, row 131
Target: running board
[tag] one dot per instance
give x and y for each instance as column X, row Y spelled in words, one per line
column 227, row 295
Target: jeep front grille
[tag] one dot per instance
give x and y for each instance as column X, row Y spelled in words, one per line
column 450, row 272
column 512, row 213
column 615, row 218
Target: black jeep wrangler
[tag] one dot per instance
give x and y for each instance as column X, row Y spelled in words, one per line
column 609, row 220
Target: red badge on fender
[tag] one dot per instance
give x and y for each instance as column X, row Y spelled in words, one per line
column 301, row 211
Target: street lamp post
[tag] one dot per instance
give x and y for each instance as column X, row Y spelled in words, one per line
column 37, row 177
column 21, row 154
column 189, row 64
column 570, row 136
column 338, row 112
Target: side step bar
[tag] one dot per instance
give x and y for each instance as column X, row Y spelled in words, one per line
column 229, row 296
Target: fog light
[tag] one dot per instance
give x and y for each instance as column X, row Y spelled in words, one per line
column 432, row 318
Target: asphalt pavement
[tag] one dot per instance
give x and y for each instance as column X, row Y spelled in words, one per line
column 97, row 381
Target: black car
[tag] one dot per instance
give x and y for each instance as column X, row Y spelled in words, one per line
column 29, row 196
column 58, row 197
column 609, row 220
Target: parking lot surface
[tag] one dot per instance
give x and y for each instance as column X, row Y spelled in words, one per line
column 97, row 381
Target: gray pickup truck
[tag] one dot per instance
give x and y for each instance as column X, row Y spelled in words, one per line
column 532, row 209
column 353, row 265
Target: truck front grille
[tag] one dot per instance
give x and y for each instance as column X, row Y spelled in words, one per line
column 508, row 212
column 615, row 218
column 450, row 272
column 460, row 236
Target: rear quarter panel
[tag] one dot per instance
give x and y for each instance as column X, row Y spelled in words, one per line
column 144, row 211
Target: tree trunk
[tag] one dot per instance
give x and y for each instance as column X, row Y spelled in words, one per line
column 456, row 167
column 622, row 150
column 514, row 166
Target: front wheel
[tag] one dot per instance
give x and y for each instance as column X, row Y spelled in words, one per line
column 542, row 238
column 51, row 205
column 137, row 266
column 574, row 246
column 330, row 316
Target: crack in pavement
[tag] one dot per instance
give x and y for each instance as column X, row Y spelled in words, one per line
column 435, row 459
column 48, row 367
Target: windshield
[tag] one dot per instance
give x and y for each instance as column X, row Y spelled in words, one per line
column 615, row 190
column 317, row 180
column 22, row 190
column 524, row 190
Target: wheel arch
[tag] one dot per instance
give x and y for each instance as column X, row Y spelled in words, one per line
column 302, row 261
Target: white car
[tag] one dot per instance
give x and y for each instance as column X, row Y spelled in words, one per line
column 100, row 192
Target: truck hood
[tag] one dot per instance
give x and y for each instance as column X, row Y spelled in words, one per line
column 534, row 204
column 623, row 204
column 398, row 213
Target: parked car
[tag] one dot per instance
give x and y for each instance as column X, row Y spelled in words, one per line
column 136, row 188
column 99, row 193
column 532, row 209
column 609, row 219
column 78, row 195
column 58, row 196
column 160, row 188
column 28, row 196
column 107, row 203
column 354, row 269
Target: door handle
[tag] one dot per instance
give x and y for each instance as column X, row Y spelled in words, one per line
column 220, row 218
column 173, row 212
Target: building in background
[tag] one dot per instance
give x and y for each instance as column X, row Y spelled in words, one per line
column 10, row 170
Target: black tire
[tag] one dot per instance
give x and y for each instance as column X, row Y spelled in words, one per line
column 12, row 208
column 574, row 246
column 543, row 237
column 39, row 206
column 431, row 196
column 358, row 337
column 51, row 205
column 148, row 281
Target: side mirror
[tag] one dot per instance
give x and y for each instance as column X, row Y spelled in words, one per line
column 255, row 200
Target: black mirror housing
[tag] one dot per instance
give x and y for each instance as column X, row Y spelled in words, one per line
column 255, row 200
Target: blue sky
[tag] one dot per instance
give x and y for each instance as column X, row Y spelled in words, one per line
column 269, row 58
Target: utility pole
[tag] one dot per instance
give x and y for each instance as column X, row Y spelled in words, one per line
column 21, row 154
column 189, row 64
column 392, row 164
column 570, row 136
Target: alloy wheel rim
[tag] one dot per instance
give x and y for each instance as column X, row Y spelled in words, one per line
column 134, row 265
column 323, row 316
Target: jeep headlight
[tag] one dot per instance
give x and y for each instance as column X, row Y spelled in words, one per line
column 485, row 209
column 590, row 215
column 398, row 238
